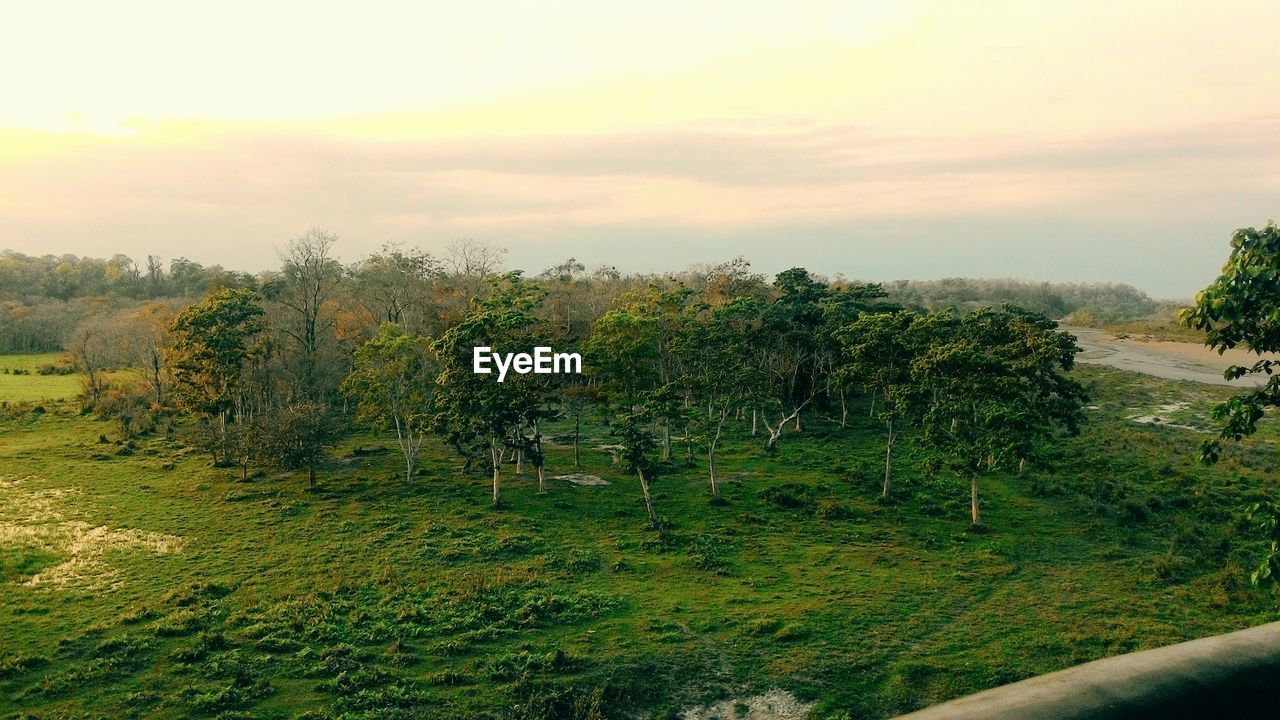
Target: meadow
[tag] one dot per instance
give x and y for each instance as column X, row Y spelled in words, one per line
column 138, row 581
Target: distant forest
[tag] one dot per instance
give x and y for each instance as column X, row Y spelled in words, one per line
column 44, row 298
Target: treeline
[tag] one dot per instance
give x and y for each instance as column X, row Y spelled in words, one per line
column 1085, row 303
column 43, row 298
column 274, row 371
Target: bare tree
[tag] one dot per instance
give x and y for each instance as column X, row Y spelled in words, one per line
column 308, row 280
column 94, row 347
column 474, row 259
column 144, row 339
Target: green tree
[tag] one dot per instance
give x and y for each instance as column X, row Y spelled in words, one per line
column 393, row 383
column 1241, row 308
column 789, row 349
column 991, row 391
column 474, row 410
column 638, row 444
column 878, row 349
column 714, row 350
column 208, row 346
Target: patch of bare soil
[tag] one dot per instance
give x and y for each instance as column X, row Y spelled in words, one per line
column 772, row 705
column 34, row 518
column 582, row 479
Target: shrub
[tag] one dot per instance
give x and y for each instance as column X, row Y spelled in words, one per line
column 790, row 496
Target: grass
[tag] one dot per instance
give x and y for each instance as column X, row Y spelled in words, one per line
column 27, row 386
column 22, row 384
column 375, row 598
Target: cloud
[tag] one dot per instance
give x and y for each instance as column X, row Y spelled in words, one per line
column 231, row 194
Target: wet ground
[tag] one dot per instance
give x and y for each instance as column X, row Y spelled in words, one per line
column 1163, row 358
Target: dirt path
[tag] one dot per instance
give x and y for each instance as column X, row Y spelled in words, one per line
column 1163, row 358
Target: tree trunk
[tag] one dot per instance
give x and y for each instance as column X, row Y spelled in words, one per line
column 873, row 404
column 711, row 466
column 496, row 456
column 542, row 481
column 754, row 430
column 648, row 499
column 577, row 429
column 1022, row 465
column 888, row 459
column 404, row 438
column 973, row 498
column 844, row 410
column 666, row 440
column 226, row 438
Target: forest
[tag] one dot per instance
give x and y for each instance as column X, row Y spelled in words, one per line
column 273, row 368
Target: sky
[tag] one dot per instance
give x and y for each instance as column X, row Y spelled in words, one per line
column 1062, row 141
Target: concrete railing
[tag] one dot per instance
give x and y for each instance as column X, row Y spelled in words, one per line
column 1236, row 675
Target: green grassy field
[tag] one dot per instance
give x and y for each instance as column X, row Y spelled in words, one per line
column 137, row 581
column 21, row 382
column 27, row 386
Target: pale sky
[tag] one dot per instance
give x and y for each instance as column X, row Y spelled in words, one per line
column 1078, row 140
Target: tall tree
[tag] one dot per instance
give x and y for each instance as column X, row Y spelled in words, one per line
column 713, row 349
column 394, row 385
column 878, row 349
column 475, row 409
column 145, row 340
column 991, row 391
column 308, row 280
column 209, row 344
column 395, row 284
column 788, row 350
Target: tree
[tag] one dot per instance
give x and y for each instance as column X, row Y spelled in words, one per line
column 576, row 397
column 991, row 391
column 307, row 282
column 788, row 347
column 638, row 444
column 210, row 342
column 393, row 384
column 713, row 348
column 145, row 339
column 395, row 285
column 474, row 410
column 878, row 349
column 299, row 436
column 94, row 346
column 1241, row 308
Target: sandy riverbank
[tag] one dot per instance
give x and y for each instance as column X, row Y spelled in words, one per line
column 1163, row 358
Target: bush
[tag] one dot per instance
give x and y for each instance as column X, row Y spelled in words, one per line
column 833, row 509
column 790, row 496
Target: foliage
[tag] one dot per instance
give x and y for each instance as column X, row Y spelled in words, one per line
column 1242, row 309
column 991, row 389
column 211, row 341
column 299, row 436
column 393, row 382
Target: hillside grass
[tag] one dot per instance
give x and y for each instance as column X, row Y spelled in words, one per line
column 138, row 582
